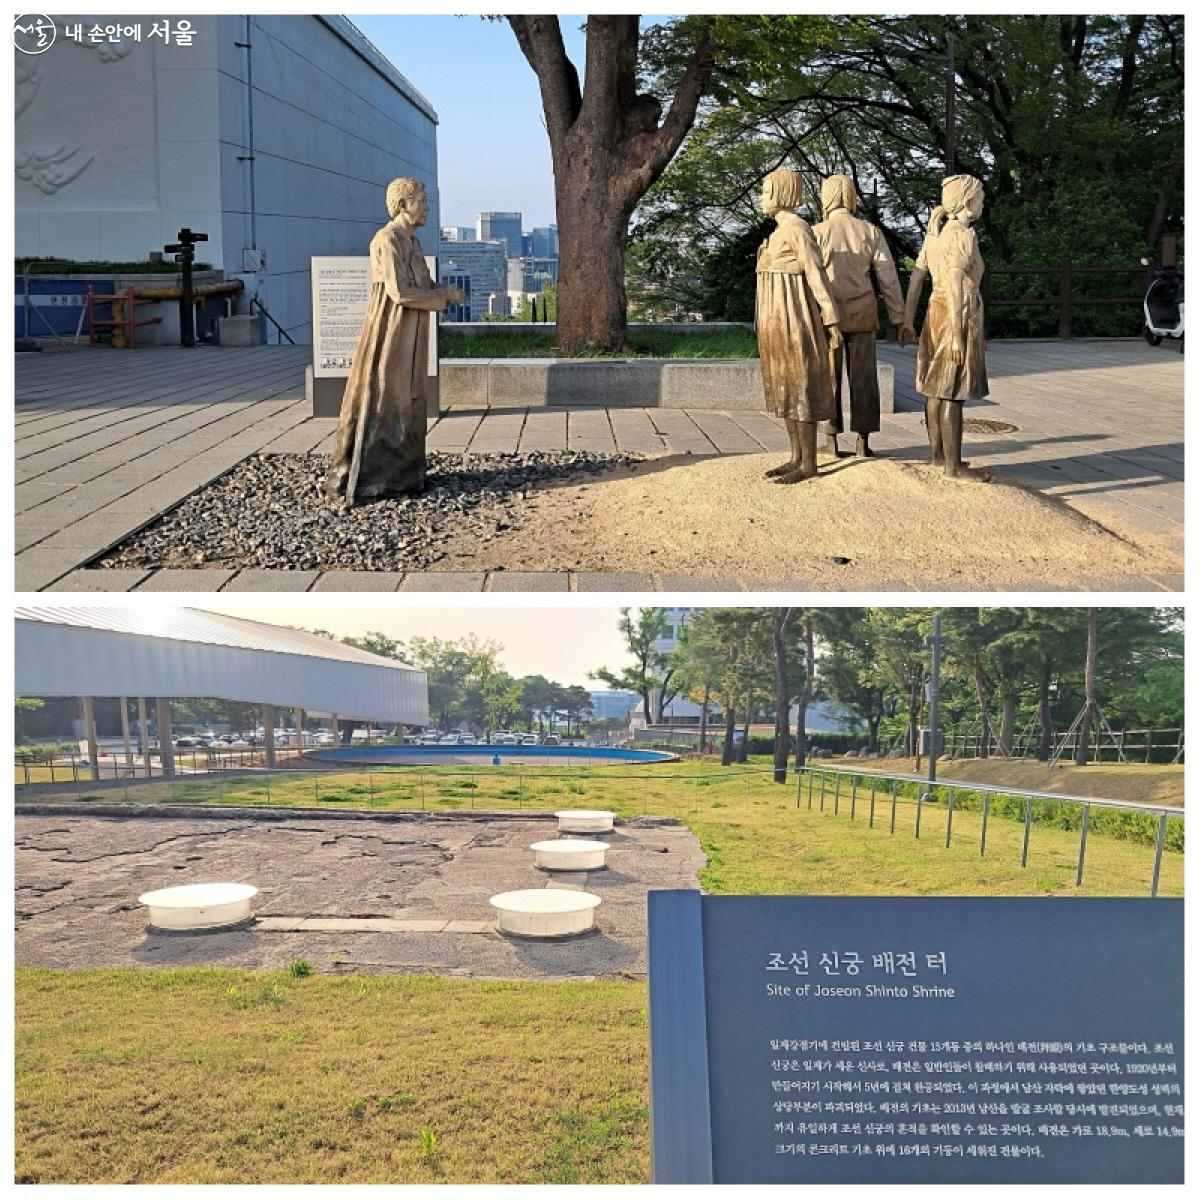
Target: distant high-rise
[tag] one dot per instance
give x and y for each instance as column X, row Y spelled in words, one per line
column 458, row 233
column 484, row 263
column 543, row 242
column 501, row 227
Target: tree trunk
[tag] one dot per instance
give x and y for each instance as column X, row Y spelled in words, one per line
column 805, row 697
column 744, row 752
column 1045, row 726
column 873, row 735
column 730, row 723
column 783, row 618
column 592, row 312
column 1008, row 719
column 981, row 698
column 1089, row 692
column 913, row 735
column 704, row 718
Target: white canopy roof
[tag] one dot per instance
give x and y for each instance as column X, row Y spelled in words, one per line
column 185, row 652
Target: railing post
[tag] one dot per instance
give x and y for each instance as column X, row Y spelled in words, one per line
column 799, row 784
column 922, row 795
column 1158, row 852
column 837, row 792
column 1064, row 300
column 1028, row 822
column 893, row 826
column 822, row 791
column 987, row 800
column 871, row 815
column 1084, row 821
column 949, row 815
column 853, row 795
column 810, row 786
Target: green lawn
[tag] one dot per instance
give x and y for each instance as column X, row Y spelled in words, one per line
column 219, row 1076
column 209, row 1075
column 641, row 343
column 757, row 840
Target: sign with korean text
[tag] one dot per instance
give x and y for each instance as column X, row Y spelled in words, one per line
column 916, row 1040
column 341, row 291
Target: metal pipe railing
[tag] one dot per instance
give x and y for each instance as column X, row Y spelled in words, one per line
column 925, row 793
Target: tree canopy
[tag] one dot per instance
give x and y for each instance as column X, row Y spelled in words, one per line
column 1074, row 123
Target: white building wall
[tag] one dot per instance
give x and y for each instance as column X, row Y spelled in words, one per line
column 116, row 146
column 156, row 137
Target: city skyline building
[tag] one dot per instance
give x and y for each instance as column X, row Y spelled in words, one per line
column 484, row 265
column 503, row 227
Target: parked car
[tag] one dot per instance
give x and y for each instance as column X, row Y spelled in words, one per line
column 186, row 743
column 466, row 739
column 529, row 739
column 504, row 738
column 451, row 739
column 552, row 739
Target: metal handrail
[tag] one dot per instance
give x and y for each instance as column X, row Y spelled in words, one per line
column 926, row 786
column 963, row 785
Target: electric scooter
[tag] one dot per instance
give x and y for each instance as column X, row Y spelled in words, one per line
column 1163, row 305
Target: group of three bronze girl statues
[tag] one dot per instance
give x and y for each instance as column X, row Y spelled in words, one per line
column 817, row 308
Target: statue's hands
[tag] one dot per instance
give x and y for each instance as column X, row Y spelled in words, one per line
column 955, row 352
column 454, row 295
column 908, row 335
column 835, row 336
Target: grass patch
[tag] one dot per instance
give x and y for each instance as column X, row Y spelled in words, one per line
column 155, row 1077
column 760, row 842
column 640, row 343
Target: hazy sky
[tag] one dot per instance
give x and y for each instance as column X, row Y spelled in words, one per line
column 492, row 149
column 562, row 644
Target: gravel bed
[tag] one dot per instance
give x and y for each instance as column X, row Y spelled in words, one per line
column 271, row 511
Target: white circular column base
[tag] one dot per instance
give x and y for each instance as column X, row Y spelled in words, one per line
column 198, row 906
column 585, row 820
column 544, row 912
column 569, row 854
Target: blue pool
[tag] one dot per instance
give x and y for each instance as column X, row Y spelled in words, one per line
column 484, row 756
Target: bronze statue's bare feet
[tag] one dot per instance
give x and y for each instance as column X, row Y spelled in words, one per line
column 782, row 469
column 799, row 475
column 962, row 470
column 862, row 448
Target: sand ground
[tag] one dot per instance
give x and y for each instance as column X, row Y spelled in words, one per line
column 862, row 524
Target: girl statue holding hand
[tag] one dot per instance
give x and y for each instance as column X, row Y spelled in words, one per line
column 796, row 323
column 950, row 359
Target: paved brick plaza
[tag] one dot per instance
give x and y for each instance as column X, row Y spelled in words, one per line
column 107, row 440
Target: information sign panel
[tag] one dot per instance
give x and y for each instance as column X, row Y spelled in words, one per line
column 341, row 291
column 916, row 1040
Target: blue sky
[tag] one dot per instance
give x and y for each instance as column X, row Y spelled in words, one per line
column 492, row 147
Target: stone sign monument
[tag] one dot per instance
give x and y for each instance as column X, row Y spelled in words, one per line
column 915, row 1040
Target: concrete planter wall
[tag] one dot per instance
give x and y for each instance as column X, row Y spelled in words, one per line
column 721, row 383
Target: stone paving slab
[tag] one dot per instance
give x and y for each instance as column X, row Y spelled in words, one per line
column 186, row 579
column 106, row 440
column 341, row 890
column 256, row 579
column 358, row 581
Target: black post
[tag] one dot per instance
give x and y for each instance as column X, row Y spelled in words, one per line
column 185, row 254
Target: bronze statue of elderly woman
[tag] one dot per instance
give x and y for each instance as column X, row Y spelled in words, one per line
column 950, row 355
column 379, row 450
column 797, row 325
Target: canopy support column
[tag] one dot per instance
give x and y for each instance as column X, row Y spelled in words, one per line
column 89, row 732
column 268, row 720
column 166, row 738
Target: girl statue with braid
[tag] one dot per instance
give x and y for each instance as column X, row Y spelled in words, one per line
column 950, row 360
column 796, row 323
